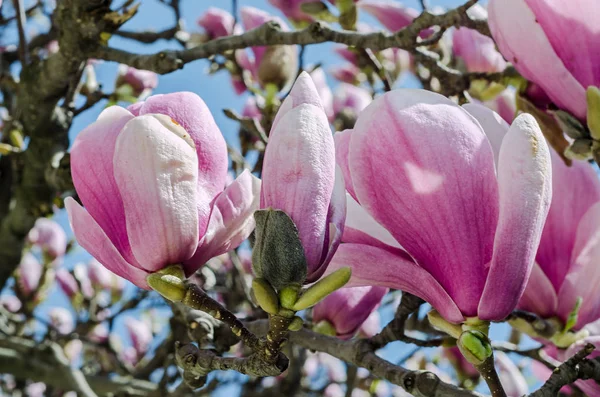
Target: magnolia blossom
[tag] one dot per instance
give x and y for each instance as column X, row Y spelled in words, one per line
column 513, row 381
column 49, row 236
column 350, row 99
column 320, row 79
column 567, row 260
column 292, row 9
column 67, row 283
column 29, row 273
column 391, row 14
column 347, row 73
column 142, row 82
column 414, row 224
column 10, row 303
column 299, row 175
column 152, row 180
column 217, row 22
column 347, row 308
column 504, row 104
column 371, row 326
column 477, row 52
column 274, row 64
column 62, row 320
column 103, row 279
column 532, row 34
column 140, row 335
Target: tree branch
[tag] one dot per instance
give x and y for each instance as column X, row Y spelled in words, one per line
column 271, row 34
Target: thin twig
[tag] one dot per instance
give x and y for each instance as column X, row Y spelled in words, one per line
column 21, row 22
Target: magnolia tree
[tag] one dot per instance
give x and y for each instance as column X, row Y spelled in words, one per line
column 430, row 227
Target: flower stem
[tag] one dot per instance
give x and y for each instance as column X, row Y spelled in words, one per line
column 489, row 374
column 197, row 299
column 277, row 335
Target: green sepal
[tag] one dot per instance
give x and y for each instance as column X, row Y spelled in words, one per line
column 278, row 254
column 593, row 111
column 475, row 346
column 570, row 125
column 169, row 282
column 265, row 295
column 440, row 323
column 580, row 149
column 573, row 315
column 288, row 296
column 318, row 10
column 296, row 324
column 324, row 327
column 322, row 288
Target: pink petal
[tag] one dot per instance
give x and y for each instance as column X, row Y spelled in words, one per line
column 217, row 22
column 299, row 173
column 516, row 30
column 189, row 110
column 253, row 18
column 539, row 296
column 505, row 105
column 525, row 190
column 512, row 379
column 157, row 171
column 583, row 278
column 320, row 81
column 575, row 189
column 347, row 308
column 303, row 92
column 336, row 220
column 410, row 154
column 577, row 20
column 392, row 14
column 95, row 241
column 231, row 220
column 342, row 146
column 92, row 169
column 376, row 266
column 30, row 272
column 351, row 98
column 49, row 235
column 361, row 228
column 478, row 52
column 493, row 125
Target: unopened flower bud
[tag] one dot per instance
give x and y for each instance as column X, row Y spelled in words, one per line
column 593, row 111
column 474, row 346
column 322, row 288
column 265, row 295
column 278, row 66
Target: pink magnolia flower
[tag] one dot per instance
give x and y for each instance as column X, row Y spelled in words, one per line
column 350, row 98
column 62, row 320
column 478, row 52
column 320, row 80
column 504, row 104
column 101, row 278
column 371, row 326
column 391, row 14
column 513, row 381
column 49, row 236
column 29, row 273
column 67, row 282
column 261, row 67
column 590, row 387
column 347, row 308
column 152, row 180
column 435, row 217
column 10, row 303
column 140, row 335
column 299, row 175
column 566, row 265
column 347, row 73
column 99, row 334
column 141, row 81
column 531, row 35
column 460, row 363
column 292, row 9
column 217, row 22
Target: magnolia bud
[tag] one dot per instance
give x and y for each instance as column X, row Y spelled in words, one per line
column 278, row 255
column 474, row 346
column 265, row 296
column 279, row 66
